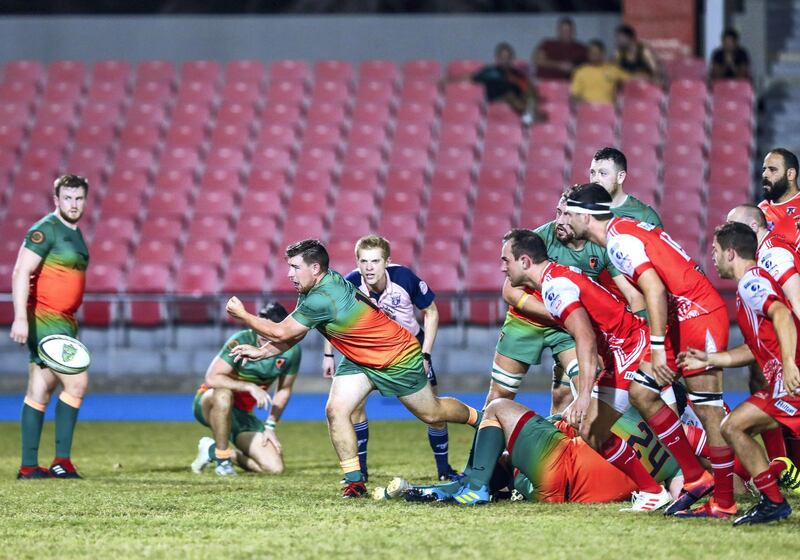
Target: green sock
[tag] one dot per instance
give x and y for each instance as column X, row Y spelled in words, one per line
column 211, row 452
column 31, row 423
column 66, row 418
column 354, row 476
column 468, row 467
column 489, row 445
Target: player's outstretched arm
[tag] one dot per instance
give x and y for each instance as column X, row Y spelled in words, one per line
column 288, row 331
column 782, row 320
column 281, row 397
column 530, row 307
column 27, row 263
column 220, row 375
column 579, row 326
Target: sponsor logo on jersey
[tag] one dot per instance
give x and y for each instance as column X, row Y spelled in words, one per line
column 233, row 344
column 423, row 287
column 645, row 226
column 593, row 263
column 785, row 407
column 37, row 237
column 279, row 362
column 629, row 375
column 790, row 210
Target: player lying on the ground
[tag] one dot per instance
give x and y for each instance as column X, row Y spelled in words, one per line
column 683, row 310
column 398, row 292
column 770, row 333
column 225, row 403
column 378, row 353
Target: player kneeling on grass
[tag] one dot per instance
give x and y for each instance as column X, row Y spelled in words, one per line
column 378, row 353
column 231, row 391
column 770, row 333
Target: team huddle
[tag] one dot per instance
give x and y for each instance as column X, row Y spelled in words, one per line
column 638, row 333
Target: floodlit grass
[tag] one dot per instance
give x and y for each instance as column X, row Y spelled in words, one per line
column 139, row 499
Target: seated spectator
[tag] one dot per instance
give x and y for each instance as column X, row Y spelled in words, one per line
column 505, row 83
column 597, row 80
column 730, row 61
column 556, row 59
column 634, row 57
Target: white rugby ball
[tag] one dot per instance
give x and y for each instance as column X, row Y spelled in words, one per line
column 64, row 354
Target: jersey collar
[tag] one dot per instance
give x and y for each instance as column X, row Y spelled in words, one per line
column 778, row 204
column 386, row 290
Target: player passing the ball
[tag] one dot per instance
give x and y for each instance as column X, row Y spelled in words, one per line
column 231, row 392
column 47, row 288
column 378, row 353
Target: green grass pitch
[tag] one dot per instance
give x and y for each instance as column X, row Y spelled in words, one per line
column 139, row 500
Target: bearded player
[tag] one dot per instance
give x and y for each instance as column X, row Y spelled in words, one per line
column 399, row 292
column 770, row 332
column 232, row 390
column 683, row 310
column 781, row 205
column 378, row 353
column 47, row 288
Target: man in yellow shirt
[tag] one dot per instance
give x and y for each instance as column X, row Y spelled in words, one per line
column 597, row 80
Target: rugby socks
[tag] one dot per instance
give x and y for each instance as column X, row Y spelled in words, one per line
column 767, row 484
column 622, row 456
column 668, row 428
column 740, row 471
column 362, row 437
column 774, row 443
column 439, row 442
column 489, row 444
column 475, row 416
column 221, row 455
column 31, row 422
column 66, row 418
column 722, row 466
column 351, row 470
column 698, row 440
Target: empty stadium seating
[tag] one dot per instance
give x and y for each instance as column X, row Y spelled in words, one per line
column 201, row 172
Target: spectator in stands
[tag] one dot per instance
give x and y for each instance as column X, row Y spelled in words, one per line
column 556, row 59
column 506, row 83
column 730, row 61
column 597, row 80
column 634, row 57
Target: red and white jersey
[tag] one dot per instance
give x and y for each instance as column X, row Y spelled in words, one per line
column 635, row 247
column 778, row 257
column 756, row 292
column 620, row 334
column 784, row 218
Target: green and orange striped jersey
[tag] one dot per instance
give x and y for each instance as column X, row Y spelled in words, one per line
column 58, row 284
column 353, row 324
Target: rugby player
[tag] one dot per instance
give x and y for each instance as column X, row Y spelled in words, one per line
column 781, row 205
column 378, row 353
column 770, row 333
column 398, row 292
column 684, row 310
column 231, row 391
column 598, row 322
column 47, row 288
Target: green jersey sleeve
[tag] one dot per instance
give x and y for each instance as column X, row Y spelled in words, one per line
column 314, row 309
column 40, row 238
column 654, row 218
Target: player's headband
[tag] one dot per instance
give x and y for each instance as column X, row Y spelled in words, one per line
column 585, row 207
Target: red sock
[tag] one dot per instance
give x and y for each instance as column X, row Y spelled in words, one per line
column 768, row 485
column 776, row 468
column 698, row 440
column 667, row 426
column 740, row 471
column 622, row 456
column 722, row 465
column 773, row 442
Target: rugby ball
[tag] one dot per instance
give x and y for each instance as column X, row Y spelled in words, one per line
column 64, row 354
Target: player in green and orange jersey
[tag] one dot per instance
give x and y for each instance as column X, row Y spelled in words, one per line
column 47, row 286
column 231, row 391
column 378, row 353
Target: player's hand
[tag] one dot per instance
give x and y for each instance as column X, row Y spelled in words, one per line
column 235, row 308
column 246, row 353
column 19, row 331
column 328, row 367
column 576, row 411
column 791, row 379
column 661, row 372
column 260, row 395
column 269, row 436
column 693, row 358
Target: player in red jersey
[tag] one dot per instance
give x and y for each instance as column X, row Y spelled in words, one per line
column 599, row 322
column 770, row 333
column 684, row 310
column 781, row 205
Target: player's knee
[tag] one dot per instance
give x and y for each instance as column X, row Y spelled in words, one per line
column 728, row 428
column 333, row 411
column 492, row 409
column 222, row 398
column 274, row 468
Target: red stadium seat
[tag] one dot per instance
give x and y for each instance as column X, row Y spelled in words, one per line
column 330, row 91
column 501, row 180
column 162, row 71
column 461, row 67
column 18, row 92
column 30, row 71
column 66, row 71
column 636, row 133
column 277, row 136
column 130, row 180
column 286, row 92
column 398, row 201
column 733, row 111
column 267, row 179
column 201, row 71
column 116, row 228
column 409, row 157
column 731, row 132
column 450, row 134
column 549, row 133
column 145, row 113
column 399, row 226
column 85, row 160
column 451, row 179
column 422, row 70
column 377, row 70
column 168, row 227
column 553, row 90
column 316, row 180
column 642, row 89
column 547, row 156
column 107, row 92
column 491, row 201
column 444, row 201
column 100, row 136
column 352, row 226
column 242, row 92
column 49, row 136
column 362, row 181
column 308, row 202
column 134, row 157
column 201, row 93
column 686, row 110
column 441, row 251
column 11, row 136
column 501, row 157
column 296, row 70
column 303, row 226
column 108, row 251
column 187, row 135
column 157, row 93
column 686, row 68
column 445, row 226
column 322, row 135
column 211, row 227
column 225, row 158
column 244, row 278
column 729, row 155
column 381, row 92
column 192, row 114
column 179, row 159
column 373, row 113
column 600, row 113
column 140, row 135
column 260, row 227
column 559, row 114
column 687, row 132
column 416, row 112
column 196, row 280
column 364, row 134
column 455, row 157
column 363, row 156
column 270, row 157
column 215, row 202
column 281, row 113
column 338, row 70
column 230, row 135
column 493, row 226
column 14, row 113
column 56, row 113
column 466, row 92
column 503, row 133
column 485, row 276
column 357, row 203
column 203, row 251
column 461, row 112
column 117, row 71
column 317, row 157
column 421, row 92
column 122, row 204
column 595, row 134
column 739, row 90
column 405, row 178
column 445, row 277
column 324, row 112
column 686, row 155
column 688, row 89
column 640, row 111
column 160, row 251
column 501, row 112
